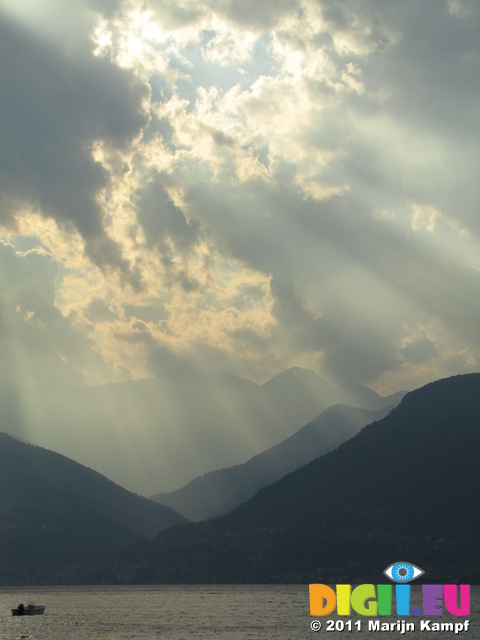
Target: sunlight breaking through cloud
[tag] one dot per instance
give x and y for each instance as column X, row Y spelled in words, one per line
column 245, row 186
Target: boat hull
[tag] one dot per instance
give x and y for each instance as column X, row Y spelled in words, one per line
column 30, row 610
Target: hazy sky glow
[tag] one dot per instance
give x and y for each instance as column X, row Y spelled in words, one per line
column 241, row 185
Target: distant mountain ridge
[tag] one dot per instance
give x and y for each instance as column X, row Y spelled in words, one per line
column 158, row 434
column 56, row 513
column 404, row 487
column 219, row 491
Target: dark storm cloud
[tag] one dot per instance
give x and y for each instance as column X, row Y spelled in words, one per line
column 53, row 109
column 158, row 357
column 421, row 350
column 366, row 22
column 428, row 77
column 264, row 15
column 106, row 7
column 305, row 330
column 162, row 220
column 448, row 48
column 343, row 282
column 257, row 15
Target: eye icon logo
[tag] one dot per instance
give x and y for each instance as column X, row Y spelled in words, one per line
column 403, row 572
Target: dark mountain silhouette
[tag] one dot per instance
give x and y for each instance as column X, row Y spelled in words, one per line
column 55, row 512
column 158, row 434
column 406, row 487
column 218, row 492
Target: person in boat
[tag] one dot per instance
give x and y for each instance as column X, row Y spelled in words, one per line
column 21, row 608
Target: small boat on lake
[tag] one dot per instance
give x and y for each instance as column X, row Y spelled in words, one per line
column 29, row 610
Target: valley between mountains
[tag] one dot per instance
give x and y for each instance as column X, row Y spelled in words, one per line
column 338, row 498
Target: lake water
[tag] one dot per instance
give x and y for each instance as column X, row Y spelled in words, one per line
column 238, row 612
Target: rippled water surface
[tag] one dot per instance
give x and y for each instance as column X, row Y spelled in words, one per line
column 279, row 612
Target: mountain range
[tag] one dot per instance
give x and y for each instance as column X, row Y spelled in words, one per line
column 218, row 492
column 405, row 487
column 158, row 434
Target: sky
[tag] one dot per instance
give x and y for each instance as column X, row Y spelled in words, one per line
column 241, row 186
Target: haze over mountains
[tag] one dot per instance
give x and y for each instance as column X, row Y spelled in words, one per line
column 156, row 435
column 219, row 491
column 406, row 486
